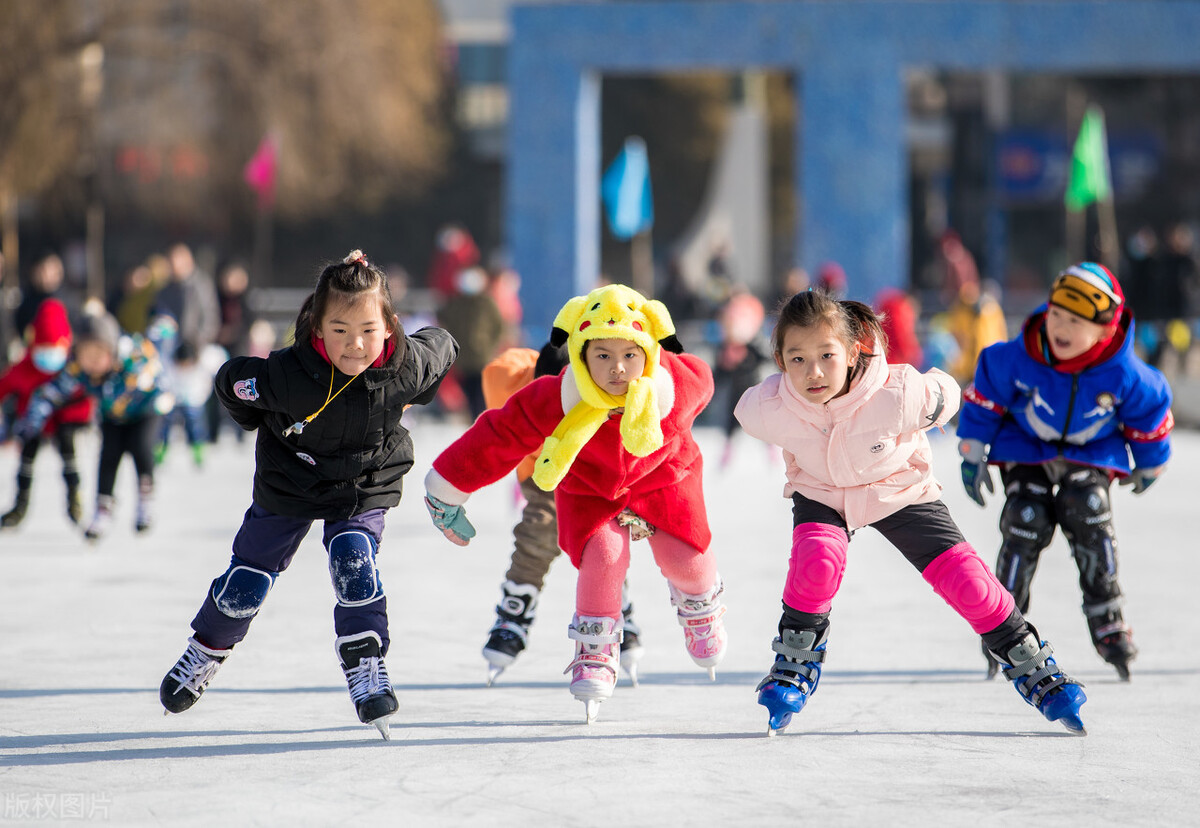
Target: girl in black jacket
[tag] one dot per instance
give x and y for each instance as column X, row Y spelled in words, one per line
column 331, row 447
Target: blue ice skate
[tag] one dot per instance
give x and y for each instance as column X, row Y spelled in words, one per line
column 1036, row 675
column 793, row 677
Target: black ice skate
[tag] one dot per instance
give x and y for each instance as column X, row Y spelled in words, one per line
column 74, row 505
column 182, row 687
column 510, row 634
column 16, row 514
column 1112, row 638
column 367, row 678
column 631, row 643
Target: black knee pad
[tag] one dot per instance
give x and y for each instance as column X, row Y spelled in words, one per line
column 1028, row 521
column 1027, row 524
column 1085, row 511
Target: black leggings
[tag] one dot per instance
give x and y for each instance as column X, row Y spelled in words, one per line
column 135, row 438
column 64, row 439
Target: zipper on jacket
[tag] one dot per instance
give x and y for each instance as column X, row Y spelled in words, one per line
column 1066, row 429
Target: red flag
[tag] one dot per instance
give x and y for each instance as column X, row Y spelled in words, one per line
column 259, row 172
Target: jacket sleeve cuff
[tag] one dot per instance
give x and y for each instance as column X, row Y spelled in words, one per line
column 443, row 490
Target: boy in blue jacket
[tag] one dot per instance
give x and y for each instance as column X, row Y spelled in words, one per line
column 1061, row 409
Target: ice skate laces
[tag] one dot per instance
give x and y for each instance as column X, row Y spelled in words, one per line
column 368, row 679
column 195, row 669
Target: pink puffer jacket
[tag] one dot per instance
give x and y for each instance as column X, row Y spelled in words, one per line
column 865, row 453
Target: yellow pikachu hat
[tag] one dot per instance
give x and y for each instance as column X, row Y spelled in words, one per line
column 610, row 312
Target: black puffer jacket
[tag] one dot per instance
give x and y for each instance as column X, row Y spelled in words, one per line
column 353, row 455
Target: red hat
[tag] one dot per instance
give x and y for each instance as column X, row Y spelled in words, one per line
column 50, row 324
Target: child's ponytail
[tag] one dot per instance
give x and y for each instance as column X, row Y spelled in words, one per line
column 866, row 329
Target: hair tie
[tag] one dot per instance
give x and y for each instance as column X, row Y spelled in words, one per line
column 356, row 257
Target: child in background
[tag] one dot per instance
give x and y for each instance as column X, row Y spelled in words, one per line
column 852, row 429
column 48, row 351
column 190, row 378
column 1063, row 406
column 330, row 447
column 122, row 373
column 535, row 537
column 738, row 359
column 617, row 450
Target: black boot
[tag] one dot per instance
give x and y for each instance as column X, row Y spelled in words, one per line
column 17, row 513
column 1111, row 636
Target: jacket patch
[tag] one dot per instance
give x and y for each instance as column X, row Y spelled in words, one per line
column 246, row 389
column 307, row 458
column 875, row 449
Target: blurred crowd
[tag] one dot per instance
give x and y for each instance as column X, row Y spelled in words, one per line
column 195, row 319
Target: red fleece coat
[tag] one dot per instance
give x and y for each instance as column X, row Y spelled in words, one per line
column 50, row 327
column 665, row 487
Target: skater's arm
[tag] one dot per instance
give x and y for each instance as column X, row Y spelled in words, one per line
column 931, row 399
column 240, row 387
column 47, row 399
column 431, row 352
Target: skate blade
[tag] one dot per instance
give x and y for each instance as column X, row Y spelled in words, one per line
column 591, row 709
column 712, row 673
column 381, row 724
column 493, row 674
column 1122, row 671
column 1074, row 724
column 632, row 671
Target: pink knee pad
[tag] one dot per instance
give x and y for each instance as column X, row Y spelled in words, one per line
column 966, row 584
column 817, row 565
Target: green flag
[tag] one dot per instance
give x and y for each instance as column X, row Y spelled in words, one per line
column 1090, row 181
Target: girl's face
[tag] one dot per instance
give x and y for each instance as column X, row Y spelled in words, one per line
column 95, row 358
column 614, row 363
column 354, row 334
column 816, row 362
column 1070, row 335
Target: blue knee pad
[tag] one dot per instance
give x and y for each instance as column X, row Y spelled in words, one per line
column 240, row 592
column 352, row 567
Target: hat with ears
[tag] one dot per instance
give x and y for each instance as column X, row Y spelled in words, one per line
column 610, row 312
column 1088, row 290
column 50, row 325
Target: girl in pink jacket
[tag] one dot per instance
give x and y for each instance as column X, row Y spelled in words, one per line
column 852, row 430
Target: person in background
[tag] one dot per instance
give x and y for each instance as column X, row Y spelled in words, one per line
column 49, row 349
column 123, row 374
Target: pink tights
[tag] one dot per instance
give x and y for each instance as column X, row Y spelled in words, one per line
column 606, row 559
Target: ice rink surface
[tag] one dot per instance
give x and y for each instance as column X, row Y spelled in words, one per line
column 904, row 729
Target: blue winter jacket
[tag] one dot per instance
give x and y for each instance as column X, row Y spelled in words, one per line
column 1028, row 412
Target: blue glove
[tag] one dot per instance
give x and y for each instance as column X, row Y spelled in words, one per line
column 452, row 520
column 1142, row 479
column 975, row 473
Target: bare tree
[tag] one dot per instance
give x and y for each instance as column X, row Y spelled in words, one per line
column 351, row 90
column 153, row 107
column 44, row 52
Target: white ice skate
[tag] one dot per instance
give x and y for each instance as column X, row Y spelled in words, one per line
column 594, row 669
column 703, row 627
